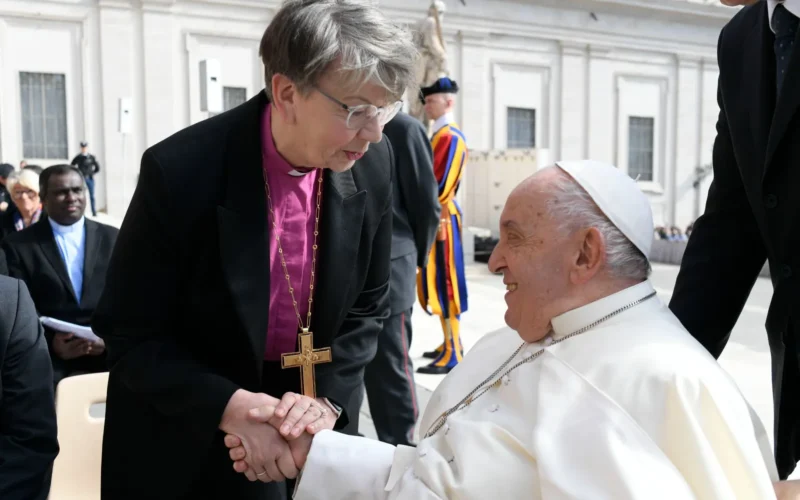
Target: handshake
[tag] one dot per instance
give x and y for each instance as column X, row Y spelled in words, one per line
column 268, row 438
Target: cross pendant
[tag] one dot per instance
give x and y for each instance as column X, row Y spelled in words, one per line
column 305, row 359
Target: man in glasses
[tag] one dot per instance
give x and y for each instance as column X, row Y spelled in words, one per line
column 441, row 284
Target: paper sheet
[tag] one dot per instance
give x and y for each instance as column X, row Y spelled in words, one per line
column 83, row 332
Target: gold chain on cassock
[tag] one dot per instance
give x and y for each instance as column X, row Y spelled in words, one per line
column 483, row 388
column 307, row 356
column 313, row 253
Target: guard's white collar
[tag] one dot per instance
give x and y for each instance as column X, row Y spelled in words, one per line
column 443, row 120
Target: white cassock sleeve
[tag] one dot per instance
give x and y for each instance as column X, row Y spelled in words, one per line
column 350, row 467
column 589, row 447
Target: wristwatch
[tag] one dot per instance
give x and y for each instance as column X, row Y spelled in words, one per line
column 337, row 410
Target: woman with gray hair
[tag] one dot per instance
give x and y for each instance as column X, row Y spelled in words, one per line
column 278, row 222
column 23, row 186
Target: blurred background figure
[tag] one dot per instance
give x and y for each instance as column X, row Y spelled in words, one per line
column 88, row 165
column 24, row 189
column 5, row 197
column 389, row 378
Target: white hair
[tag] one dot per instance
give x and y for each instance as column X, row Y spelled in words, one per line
column 307, row 36
column 26, row 178
column 573, row 209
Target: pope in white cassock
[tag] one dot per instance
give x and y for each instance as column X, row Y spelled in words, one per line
column 598, row 392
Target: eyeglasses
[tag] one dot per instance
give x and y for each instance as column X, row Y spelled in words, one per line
column 21, row 194
column 358, row 116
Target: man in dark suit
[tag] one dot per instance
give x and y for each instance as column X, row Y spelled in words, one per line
column 28, row 435
column 63, row 259
column 389, row 378
column 752, row 209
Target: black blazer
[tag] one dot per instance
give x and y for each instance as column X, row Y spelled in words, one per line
column 415, row 207
column 28, row 434
column 185, row 311
column 32, row 255
column 751, row 214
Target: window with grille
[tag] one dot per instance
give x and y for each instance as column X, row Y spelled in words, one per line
column 233, row 96
column 521, row 128
column 43, row 102
column 640, row 147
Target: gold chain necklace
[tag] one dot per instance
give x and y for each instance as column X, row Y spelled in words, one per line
column 313, row 252
column 483, row 388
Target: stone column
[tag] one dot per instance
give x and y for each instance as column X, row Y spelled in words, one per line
column 474, row 112
column 121, row 68
column 574, row 101
column 161, row 44
column 688, row 140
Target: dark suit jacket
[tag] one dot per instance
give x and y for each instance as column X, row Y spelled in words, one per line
column 7, row 223
column 32, row 255
column 185, row 312
column 415, row 207
column 28, row 435
column 751, row 214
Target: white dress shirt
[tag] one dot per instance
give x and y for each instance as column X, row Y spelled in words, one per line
column 71, row 241
column 792, row 6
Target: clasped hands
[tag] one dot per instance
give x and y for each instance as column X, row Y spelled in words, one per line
column 268, row 438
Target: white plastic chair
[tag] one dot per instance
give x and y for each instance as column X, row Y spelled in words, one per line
column 76, row 471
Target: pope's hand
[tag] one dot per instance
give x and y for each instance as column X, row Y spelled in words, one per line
column 299, row 448
column 788, row 490
column 268, row 455
column 296, row 413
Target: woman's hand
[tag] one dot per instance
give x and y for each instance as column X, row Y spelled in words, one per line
column 296, row 414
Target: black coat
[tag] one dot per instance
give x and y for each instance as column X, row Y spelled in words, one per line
column 28, row 435
column 185, row 311
column 32, row 255
column 751, row 214
column 415, row 210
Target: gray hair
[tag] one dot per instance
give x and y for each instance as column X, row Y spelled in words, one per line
column 307, row 36
column 573, row 209
column 25, row 178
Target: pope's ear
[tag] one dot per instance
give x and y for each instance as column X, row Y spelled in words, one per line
column 591, row 255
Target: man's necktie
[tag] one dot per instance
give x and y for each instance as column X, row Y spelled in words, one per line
column 785, row 25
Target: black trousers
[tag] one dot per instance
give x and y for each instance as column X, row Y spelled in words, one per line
column 389, row 382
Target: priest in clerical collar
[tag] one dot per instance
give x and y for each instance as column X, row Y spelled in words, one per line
column 597, row 391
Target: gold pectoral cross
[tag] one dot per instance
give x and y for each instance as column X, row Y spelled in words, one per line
column 306, row 359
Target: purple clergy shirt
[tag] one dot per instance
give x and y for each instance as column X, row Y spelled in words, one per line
column 294, row 201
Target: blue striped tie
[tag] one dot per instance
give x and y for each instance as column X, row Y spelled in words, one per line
column 785, row 25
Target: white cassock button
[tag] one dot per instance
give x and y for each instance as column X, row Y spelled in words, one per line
column 446, row 429
column 422, row 453
column 528, row 354
column 548, row 340
column 506, row 380
column 494, row 408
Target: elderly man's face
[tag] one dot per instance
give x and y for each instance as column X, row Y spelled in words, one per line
column 534, row 259
column 326, row 140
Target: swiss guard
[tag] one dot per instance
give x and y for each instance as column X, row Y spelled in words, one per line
column 442, row 284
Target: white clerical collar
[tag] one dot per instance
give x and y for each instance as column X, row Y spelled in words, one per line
column 58, row 228
column 297, row 173
column 792, row 6
column 583, row 316
column 443, row 120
